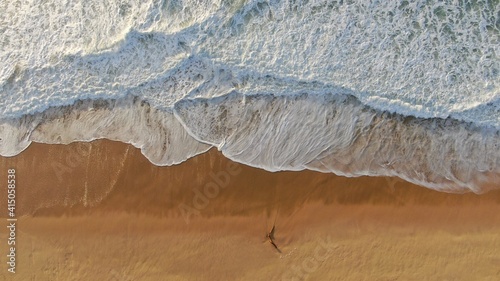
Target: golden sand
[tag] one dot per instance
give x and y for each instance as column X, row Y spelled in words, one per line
column 101, row 211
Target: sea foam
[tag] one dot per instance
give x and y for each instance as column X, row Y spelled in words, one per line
column 328, row 133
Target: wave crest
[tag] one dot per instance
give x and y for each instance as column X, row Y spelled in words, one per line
column 332, row 133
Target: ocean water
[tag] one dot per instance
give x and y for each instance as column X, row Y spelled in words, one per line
column 380, row 88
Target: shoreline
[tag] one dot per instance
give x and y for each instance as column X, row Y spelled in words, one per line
column 342, row 136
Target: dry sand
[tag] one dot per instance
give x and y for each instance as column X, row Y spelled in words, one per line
column 101, row 211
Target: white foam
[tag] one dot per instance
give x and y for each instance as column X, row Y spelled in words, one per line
column 324, row 132
column 161, row 138
column 428, row 59
column 336, row 133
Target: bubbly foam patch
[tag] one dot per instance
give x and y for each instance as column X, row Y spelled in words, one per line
column 420, row 58
column 161, row 138
column 329, row 133
column 337, row 133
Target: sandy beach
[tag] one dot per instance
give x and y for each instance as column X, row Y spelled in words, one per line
column 102, row 211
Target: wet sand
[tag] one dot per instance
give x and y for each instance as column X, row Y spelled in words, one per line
column 101, row 211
